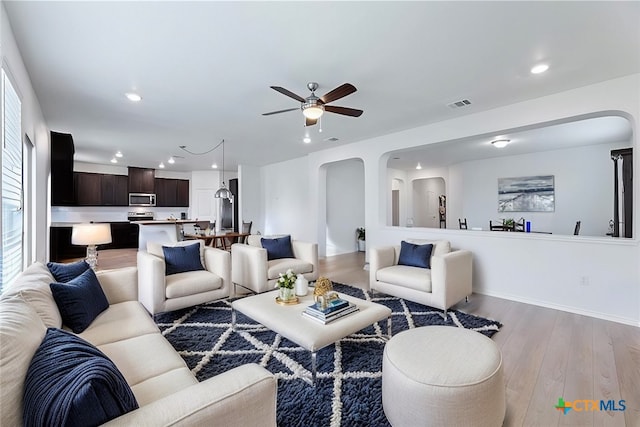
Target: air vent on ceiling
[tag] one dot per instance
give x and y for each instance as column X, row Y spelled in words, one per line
column 459, row 104
column 331, row 139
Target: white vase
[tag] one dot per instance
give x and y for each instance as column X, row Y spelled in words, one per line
column 287, row 294
column 302, row 285
column 362, row 245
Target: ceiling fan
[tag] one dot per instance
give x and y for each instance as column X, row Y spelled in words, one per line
column 313, row 107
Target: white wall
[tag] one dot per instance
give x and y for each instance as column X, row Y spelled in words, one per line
column 541, row 269
column 345, row 205
column 251, row 193
column 287, row 198
column 35, row 127
column 583, row 179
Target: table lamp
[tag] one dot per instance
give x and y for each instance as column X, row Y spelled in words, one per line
column 91, row 235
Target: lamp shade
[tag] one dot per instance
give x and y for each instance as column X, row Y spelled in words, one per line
column 91, row 234
column 223, row 193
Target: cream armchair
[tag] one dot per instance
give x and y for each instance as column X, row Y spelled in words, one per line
column 251, row 270
column 159, row 292
column 447, row 282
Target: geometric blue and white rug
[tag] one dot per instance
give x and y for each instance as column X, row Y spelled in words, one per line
column 348, row 384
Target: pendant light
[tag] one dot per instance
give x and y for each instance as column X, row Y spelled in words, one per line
column 223, row 192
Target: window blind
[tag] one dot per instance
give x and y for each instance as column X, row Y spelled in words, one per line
column 11, row 250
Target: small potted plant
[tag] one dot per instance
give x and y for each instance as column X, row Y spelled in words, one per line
column 360, row 235
column 286, row 284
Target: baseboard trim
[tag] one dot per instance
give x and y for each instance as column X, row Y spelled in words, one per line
column 569, row 309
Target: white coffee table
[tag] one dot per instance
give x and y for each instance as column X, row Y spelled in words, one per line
column 288, row 321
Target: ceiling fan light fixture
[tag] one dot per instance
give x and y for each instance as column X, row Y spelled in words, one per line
column 539, row 69
column 133, row 97
column 312, row 111
column 500, row 143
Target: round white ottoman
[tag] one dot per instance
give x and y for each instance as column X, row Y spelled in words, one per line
column 442, row 376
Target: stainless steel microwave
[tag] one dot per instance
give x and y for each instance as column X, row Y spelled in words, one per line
column 142, row 199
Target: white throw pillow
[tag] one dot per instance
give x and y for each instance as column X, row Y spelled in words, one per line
column 21, row 332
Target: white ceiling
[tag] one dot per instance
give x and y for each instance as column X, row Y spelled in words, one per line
column 204, row 68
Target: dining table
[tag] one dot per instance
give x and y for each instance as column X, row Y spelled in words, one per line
column 223, row 241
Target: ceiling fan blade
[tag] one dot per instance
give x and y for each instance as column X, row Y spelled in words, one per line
column 280, row 111
column 310, row 122
column 339, row 92
column 288, row 93
column 345, row 111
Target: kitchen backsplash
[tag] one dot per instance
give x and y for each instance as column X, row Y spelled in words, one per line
column 108, row 214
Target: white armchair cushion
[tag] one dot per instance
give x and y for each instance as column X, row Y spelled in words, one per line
column 277, row 266
column 409, row 277
column 192, row 282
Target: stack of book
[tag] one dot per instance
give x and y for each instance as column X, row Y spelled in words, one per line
column 335, row 309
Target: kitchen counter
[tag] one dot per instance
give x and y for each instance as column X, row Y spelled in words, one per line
column 164, row 222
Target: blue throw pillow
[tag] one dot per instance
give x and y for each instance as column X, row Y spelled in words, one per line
column 415, row 255
column 180, row 259
column 80, row 300
column 277, row 248
column 65, row 272
column 71, row 383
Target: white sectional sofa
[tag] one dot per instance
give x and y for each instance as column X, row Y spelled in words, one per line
column 165, row 389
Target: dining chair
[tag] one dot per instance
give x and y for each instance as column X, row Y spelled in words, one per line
column 462, row 224
column 497, row 227
column 576, row 230
column 519, row 225
column 246, row 228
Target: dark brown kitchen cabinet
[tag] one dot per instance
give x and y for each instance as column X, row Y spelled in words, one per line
column 142, row 180
column 172, row 192
column 114, row 190
column 62, row 151
column 88, row 187
column 96, row 189
column 182, row 198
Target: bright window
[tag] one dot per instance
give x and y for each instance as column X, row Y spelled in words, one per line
column 11, row 250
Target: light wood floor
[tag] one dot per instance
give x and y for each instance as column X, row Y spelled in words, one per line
column 547, row 353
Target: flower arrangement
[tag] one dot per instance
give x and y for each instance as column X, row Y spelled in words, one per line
column 360, row 233
column 287, row 280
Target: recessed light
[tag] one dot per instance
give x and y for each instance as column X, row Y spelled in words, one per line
column 171, row 160
column 161, row 165
column 119, row 153
column 500, row 143
column 133, row 97
column 306, row 140
column 539, row 69
column 114, row 160
column 214, row 166
column 419, row 166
